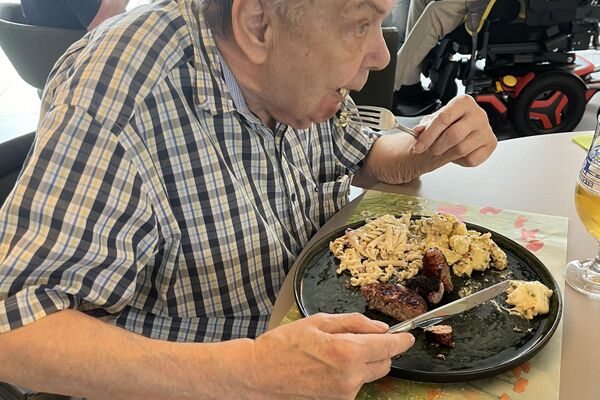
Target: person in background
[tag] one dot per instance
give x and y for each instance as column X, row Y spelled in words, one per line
column 428, row 22
column 185, row 155
column 71, row 14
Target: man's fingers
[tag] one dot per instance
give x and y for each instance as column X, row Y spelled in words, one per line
column 453, row 136
column 439, row 123
column 390, row 345
column 476, row 157
column 419, row 129
column 471, row 151
column 457, row 109
column 377, row 369
column 349, row 323
column 378, row 347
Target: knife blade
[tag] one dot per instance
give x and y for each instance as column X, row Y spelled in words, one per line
column 448, row 310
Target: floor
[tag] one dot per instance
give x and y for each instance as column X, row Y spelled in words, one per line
column 19, row 102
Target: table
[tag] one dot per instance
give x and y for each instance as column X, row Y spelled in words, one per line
column 534, row 174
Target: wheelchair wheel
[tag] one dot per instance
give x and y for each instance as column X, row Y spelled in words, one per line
column 553, row 102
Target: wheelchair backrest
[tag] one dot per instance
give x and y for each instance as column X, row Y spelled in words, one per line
column 550, row 12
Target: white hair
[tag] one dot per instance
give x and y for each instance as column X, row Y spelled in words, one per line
column 217, row 13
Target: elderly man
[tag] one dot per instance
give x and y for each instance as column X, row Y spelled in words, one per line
column 186, row 153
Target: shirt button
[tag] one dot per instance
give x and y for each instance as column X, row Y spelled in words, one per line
column 317, row 189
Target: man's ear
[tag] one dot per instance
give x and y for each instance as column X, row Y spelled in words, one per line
column 252, row 28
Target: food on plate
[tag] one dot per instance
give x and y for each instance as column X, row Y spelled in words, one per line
column 435, row 279
column 392, row 249
column 435, row 265
column 394, row 300
column 429, row 288
column 440, row 334
column 528, row 298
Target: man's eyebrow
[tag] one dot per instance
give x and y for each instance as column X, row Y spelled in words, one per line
column 371, row 4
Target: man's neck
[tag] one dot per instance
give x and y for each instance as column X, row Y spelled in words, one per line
column 248, row 79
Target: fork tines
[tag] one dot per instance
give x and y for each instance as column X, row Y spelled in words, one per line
column 365, row 121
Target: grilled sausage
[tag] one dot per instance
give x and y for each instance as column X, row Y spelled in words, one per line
column 435, row 265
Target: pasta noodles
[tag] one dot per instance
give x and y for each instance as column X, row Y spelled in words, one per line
column 391, row 249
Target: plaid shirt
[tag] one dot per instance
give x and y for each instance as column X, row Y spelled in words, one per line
column 153, row 199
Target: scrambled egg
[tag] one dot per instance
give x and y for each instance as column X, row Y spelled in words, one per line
column 528, row 299
column 465, row 250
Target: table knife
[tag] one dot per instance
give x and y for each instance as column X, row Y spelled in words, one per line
column 448, row 310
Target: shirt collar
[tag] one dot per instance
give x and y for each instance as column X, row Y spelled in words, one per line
column 236, row 94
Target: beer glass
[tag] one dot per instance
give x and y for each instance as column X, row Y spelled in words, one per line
column 584, row 275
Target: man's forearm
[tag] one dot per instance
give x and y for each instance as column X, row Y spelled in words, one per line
column 392, row 160
column 71, row 353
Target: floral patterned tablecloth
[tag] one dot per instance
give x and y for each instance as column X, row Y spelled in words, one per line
column 545, row 236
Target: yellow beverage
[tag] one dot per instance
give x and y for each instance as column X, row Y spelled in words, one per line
column 587, row 203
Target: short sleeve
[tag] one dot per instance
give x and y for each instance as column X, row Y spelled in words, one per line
column 78, row 228
column 351, row 144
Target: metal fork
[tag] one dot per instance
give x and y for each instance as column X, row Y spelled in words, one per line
column 376, row 118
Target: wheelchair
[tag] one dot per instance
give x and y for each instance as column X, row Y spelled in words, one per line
column 522, row 65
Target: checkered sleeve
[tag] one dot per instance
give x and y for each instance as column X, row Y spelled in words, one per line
column 351, row 144
column 78, row 228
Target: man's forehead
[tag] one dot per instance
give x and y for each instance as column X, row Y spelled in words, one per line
column 377, row 6
column 343, row 7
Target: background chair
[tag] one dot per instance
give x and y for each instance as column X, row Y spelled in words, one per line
column 12, row 156
column 379, row 89
column 32, row 50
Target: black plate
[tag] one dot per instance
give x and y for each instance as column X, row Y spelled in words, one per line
column 486, row 342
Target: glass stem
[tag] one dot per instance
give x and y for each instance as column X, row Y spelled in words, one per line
column 596, row 264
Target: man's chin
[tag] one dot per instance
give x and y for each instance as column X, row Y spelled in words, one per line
column 322, row 114
column 306, row 123
column 325, row 114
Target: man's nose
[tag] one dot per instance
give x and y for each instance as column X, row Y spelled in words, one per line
column 379, row 55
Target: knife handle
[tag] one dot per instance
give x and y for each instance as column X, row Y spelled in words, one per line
column 401, row 327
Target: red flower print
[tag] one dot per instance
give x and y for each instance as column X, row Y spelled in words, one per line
column 458, row 211
column 525, row 234
column 534, row 245
column 490, row 210
column 520, row 221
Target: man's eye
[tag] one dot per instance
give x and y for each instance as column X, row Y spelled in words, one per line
column 362, row 29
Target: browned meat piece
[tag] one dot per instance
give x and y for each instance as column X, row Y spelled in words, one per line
column 430, row 288
column 435, row 297
column 440, row 334
column 433, row 259
column 394, row 300
column 446, row 278
column 435, row 265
